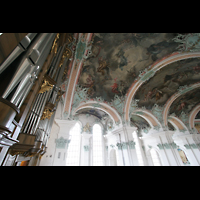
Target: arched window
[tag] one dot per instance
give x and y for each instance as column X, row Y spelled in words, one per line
column 155, row 157
column 97, row 145
column 73, row 153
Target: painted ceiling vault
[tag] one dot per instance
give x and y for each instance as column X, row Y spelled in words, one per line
column 109, row 64
column 117, row 59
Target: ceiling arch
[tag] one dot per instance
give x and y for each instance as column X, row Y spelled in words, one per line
column 82, row 46
column 149, row 117
column 150, row 72
column 101, row 106
column 178, row 124
column 181, row 91
column 192, row 115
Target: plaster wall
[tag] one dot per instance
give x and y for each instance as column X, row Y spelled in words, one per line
column 169, row 156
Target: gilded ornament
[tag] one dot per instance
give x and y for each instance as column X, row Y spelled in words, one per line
column 46, row 86
column 46, row 114
column 55, row 45
column 59, row 95
column 87, row 128
column 67, row 54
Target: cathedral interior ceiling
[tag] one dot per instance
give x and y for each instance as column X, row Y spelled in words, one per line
column 116, row 60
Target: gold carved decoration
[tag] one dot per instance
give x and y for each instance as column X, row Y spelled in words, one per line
column 46, row 86
column 48, row 111
column 46, row 114
column 55, row 44
column 59, row 95
column 67, row 54
column 87, row 127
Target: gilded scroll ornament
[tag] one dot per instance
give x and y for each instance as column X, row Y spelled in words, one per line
column 55, row 44
column 59, row 95
column 48, row 111
column 67, row 54
column 46, row 86
column 46, row 114
column 87, row 128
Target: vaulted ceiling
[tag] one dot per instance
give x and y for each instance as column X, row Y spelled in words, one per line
column 116, row 61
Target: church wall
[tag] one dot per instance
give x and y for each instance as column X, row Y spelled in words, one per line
column 163, row 142
column 49, row 156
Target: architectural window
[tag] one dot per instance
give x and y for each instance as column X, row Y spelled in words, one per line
column 73, row 153
column 97, row 145
column 155, row 157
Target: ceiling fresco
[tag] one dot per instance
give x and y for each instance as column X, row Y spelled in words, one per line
column 197, row 116
column 139, row 121
column 95, row 112
column 166, row 82
column 117, row 59
column 185, row 102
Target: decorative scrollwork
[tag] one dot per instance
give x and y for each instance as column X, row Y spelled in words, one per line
column 55, row 44
column 67, row 54
column 46, row 86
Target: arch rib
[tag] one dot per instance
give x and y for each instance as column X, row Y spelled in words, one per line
column 192, row 115
column 174, row 97
column 154, row 68
column 102, row 106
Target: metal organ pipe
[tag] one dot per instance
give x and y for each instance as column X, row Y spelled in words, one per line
column 37, row 113
column 29, row 123
column 34, row 125
column 28, row 69
column 22, row 46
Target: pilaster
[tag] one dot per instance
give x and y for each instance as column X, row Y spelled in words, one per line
column 131, row 149
column 166, row 145
column 63, row 134
column 85, row 149
column 122, row 144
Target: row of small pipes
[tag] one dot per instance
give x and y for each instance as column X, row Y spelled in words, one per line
column 36, row 48
column 34, row 124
